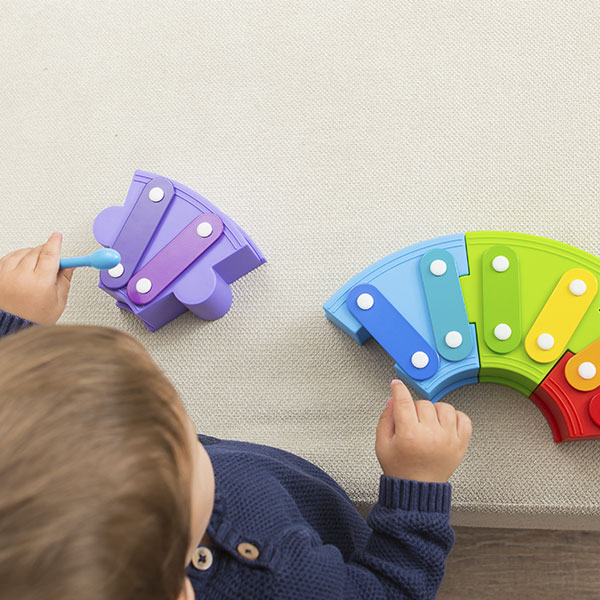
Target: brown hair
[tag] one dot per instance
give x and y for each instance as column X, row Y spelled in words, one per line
column 94, row 469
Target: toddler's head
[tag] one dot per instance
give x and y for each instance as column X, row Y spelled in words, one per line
column 104, row 489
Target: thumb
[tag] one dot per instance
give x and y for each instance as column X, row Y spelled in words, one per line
column 63, row 283
column 385, row 427
column 49, row 260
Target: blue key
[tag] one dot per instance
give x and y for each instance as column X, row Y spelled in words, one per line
column 393, row 332
column 103, row 259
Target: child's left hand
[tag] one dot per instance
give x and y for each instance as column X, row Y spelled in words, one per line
column 32, row 286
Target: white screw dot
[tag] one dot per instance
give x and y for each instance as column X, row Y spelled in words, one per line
column 453, row 339
column 502, row 331
column 204, row 229
column 116, row 271
column 156, row 194
column 500, row 264
column 587, row 370
column 577, row 287
column 545, row 341
column 419, row 360
column 143, row 286
column 365, row 301
column 438, row 267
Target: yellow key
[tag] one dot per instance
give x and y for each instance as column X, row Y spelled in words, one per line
column 583, row 370
column 562, row 313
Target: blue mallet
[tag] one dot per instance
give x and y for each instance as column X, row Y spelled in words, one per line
column 105, row 258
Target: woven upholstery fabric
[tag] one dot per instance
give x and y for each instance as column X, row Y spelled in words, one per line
column 334, row 133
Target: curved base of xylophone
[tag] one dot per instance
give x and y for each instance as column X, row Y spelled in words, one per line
column 530, row 305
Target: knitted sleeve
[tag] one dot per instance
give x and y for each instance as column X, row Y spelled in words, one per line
column 403, row 557
column 405, row 554
column 10, row 323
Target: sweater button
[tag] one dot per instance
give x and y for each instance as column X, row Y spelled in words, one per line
column 202, row 558
column 248, row 551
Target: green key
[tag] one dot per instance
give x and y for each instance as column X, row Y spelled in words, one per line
column 501, row 299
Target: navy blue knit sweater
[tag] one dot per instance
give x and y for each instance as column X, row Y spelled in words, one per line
column 282, row 529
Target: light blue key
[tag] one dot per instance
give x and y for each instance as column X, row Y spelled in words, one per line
column 103, row 259
column 446, row 305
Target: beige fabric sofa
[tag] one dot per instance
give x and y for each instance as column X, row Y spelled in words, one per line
column 334, row 133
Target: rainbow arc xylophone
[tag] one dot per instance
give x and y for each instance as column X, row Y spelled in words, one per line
column 178, row 252
column 509, row 308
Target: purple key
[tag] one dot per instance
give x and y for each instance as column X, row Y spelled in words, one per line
column 174, row 258
column 138, row 230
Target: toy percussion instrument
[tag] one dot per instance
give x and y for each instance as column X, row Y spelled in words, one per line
column 178, row 252
column 509, row 308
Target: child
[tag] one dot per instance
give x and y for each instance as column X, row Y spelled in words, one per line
column 105, row 492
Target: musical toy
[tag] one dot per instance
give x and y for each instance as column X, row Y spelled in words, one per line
column 511, row 308
column 103, row 259
column 178, row 252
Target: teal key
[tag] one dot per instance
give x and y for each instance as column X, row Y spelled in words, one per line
column 103, row 259
column 446, row 305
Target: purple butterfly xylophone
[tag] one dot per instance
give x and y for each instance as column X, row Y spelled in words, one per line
column 178, row 252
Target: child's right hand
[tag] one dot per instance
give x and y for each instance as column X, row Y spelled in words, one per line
column 420, row 440
column 32, row 286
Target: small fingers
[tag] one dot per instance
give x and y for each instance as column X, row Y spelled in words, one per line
column 464, row 427
column 11, row 260
column 30, row 258
column 66, row 273
column 405, row 411
column 426, row 412
column 49, row 257
column 63, row 284
column 385, row 427
column 446, row 414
